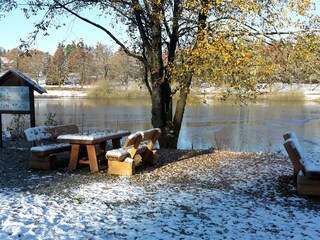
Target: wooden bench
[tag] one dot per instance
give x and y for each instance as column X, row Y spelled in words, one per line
column 137, row 150
column 43, row 154
column 306, row 166
column 294, row 151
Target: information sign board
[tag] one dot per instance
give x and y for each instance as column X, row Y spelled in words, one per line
column 14, row 98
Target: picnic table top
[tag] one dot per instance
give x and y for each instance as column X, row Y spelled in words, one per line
column 93, row 137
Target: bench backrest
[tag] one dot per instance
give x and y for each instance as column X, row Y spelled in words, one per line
column 296, row 143
column 133, row 141
column 295, row 153
column 151, row 135
column 148, row 137
column 40, row 133
column 289, row 134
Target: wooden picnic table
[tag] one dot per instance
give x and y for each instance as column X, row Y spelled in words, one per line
column 89, row 141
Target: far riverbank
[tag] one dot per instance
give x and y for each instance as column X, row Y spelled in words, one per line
column 303, row 92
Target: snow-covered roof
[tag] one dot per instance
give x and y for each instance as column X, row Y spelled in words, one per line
column 21, row 77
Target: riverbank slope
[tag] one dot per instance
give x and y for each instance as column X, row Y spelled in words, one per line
column 309, row 92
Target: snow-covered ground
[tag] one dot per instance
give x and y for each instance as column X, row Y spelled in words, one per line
column 290, row 91
column 191, row 205
column 63, row 93
column 114, row 211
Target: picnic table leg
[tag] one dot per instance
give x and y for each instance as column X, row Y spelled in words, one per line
column 101, row 155
column 92, row 158
column 103, row 146
column 116, row 143
column 75, row 149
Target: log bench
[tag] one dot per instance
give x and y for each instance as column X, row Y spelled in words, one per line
column 306, row 166
column 137, row 150
column 46, row 147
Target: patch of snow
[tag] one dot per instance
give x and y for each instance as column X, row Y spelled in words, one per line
column 119, row 153
column 295, row 144
column 312, row 162
column 62, row 93
column 121, row 209
column 113, row 211
column 38, row 133
column 134, row 135
column 44, row 148
column 291, row 134
column 91, row 136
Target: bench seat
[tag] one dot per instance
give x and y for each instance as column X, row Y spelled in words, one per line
column 311, row 163
column 46, row 150
column 122, row 153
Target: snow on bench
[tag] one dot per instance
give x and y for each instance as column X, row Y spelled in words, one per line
column 311, row 163
column 45, row 150
column 306, row 165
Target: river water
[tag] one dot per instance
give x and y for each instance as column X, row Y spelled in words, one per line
column 255, row 127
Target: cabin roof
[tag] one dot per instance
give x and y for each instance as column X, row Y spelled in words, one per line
column 15, row 78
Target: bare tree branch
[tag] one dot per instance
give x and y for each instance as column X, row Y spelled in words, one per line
column 125, row 49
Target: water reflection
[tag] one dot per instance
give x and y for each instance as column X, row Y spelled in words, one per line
column 255, row 127
column 97, row 114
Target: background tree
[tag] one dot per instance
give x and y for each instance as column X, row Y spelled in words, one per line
column 293, row 60
column 34, row 63
column 302, row 59
column 80, row 62
column 57, row 72
column 37, row 64
column 191, row 34
column 2, row 63
column 15, row 59
column 123, row 69
column 70, row 48
column 102, row 57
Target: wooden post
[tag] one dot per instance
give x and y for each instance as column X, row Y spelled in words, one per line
column 1, row 129
column 32, row 111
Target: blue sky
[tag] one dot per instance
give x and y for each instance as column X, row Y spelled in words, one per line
column 15, row 26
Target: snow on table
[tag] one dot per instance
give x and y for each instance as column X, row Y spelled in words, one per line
column 89, row 136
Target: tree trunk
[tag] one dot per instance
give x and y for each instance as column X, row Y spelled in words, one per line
column 170, row 127
column 156, row 118
column 161, row 115
column 178, row 117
